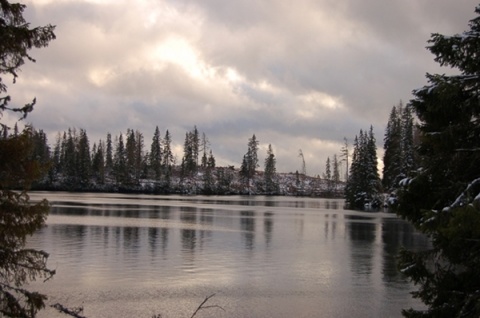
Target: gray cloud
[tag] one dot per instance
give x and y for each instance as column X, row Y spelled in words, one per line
column 300, row 75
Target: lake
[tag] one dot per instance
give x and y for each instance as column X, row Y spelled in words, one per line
column 121, row 255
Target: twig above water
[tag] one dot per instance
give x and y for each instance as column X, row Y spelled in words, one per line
column 201, row 306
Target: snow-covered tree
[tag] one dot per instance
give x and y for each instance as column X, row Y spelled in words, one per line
column 335, row 173
column 155, row 155
column 443, row 198
column 83, row 158
column 392, row 158
column 191, row 148
column 270, row 175
column 119, row 162
column 168, row 159
column 98, row 162
column 399, row 156
column 363, row 186
column 328, row 175
column 250, row 160
column 109, row 154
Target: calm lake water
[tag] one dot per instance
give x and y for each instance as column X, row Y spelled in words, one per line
column 139, row 255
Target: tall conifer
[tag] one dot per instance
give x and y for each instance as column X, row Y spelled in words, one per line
column 442, row 198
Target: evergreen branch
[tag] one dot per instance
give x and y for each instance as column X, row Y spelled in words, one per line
column 467, row 149
column 460, row 200
column 74, row 312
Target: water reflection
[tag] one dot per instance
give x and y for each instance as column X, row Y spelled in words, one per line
column 362, row 239
column 268, row 227
column 247, row 225
column 326, row 257
column 330, row 227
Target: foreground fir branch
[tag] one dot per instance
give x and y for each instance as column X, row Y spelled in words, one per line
column 19, row 219
column 19, row 168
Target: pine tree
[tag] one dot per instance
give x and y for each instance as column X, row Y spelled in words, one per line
column 195, row 141
column 70, row 157
column 56, row 167
column 250, row 161
column 399, row 156
column 270, row 174
column 109, row 155
column 364, row 187
column 83, row 158
column 155, row 161
column 188, row 161
column 140, row 160
column 408, row 146
column 130, row 148
column 208, row 177
column 120, row 162
column 374, row 187
column 98, row 162
column 353, row 184
column 335, row 173
column 204, row 146
column 442, row 199
column 211, row 160
column 167, row 158
column 393, row 155
column 224, row 180
column 19, row 218
column 328, row 176
column 345, row 156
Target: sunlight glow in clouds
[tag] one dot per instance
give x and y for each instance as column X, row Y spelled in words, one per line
column 323, row 100
column 178, row 51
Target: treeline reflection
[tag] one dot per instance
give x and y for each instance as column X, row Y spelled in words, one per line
column 195, row 237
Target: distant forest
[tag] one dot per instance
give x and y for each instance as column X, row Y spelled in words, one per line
column 122, row 164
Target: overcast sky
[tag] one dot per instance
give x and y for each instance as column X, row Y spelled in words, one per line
column 299, row 74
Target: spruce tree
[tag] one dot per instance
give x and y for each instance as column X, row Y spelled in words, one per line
column 374, row 187
column 19, row 168
column 155, row 156
column 399, row 156
column 408, row 146
column 70, row 158
column 208, row 176
column 270, row 174
column 130, row 149
column 335, row 173
column 167, row 158
column 443, row 198
column 109, row 155
column 83, row 158
column 328, row 175
column 140, row 161
column 345, row 155
column 393, row 155
column 188, row 165
column 204, row 146
column 250, row 161
column 98, row 163
column 56, row 167
column 120, row 163
column 211, row 160
column 364, row 187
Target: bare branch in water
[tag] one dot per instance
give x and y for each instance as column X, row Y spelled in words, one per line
column 206, row 307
